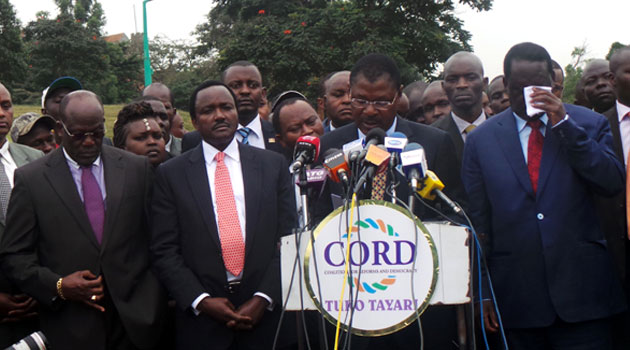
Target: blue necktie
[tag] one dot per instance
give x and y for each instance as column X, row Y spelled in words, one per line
column 244, row 132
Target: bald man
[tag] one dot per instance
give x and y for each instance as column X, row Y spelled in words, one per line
column 77, row 238
column 463, row 84
column 597, row 83
column 434, row 102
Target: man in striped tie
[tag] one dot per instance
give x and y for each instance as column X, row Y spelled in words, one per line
column 219, row 211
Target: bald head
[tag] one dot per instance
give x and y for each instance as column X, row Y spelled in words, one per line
column 83, row 97
column 434, row 102
column 467, row 57
column 619, row 58
column 464, row 84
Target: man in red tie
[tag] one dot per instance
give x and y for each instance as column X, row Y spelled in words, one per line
column 77, row 238
column 218, row 213
column 530, row 178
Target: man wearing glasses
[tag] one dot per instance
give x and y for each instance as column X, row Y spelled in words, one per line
column 77, row 238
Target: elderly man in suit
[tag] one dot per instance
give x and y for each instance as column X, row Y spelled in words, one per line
column 77, row 238
column 218, row 213
column 245, row 81
column 16, row 309
column 530, row 180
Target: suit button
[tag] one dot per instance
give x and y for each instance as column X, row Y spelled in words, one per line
column 540, row 216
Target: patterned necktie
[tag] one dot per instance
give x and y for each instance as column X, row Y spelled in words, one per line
column 244, row 132
column 534, row 151
column 230, row 233
column 5, row 191
column 469, row 128
column 93, row 202
column 378, row 186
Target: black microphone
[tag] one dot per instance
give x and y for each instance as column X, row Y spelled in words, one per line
column 376, row 160
column 375, row 136
column 305, row 152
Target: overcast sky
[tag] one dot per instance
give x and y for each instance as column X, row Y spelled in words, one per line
column 558, row 25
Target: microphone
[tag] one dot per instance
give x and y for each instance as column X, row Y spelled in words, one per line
column 335, row 162
column 432, row 187
column 305, row 152
column 395, row 145
column 414, row 164
column 376, row 160
column 375, row 136
column 315, row 180
column 352, row 149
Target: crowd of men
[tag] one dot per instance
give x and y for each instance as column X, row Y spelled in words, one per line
column 160, row 238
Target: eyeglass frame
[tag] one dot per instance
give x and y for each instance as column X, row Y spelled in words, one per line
column 366, row 103
column 83, row 135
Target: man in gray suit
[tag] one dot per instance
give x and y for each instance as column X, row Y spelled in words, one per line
column 17, row 310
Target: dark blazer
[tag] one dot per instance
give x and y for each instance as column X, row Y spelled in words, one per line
column 49, row 236
column 186, row 246
column 448, row 124
column 193, row 138
column 12, row 332
column 546, row 251
column 439, row 151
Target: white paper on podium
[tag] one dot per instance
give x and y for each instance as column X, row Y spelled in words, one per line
column 453, row 287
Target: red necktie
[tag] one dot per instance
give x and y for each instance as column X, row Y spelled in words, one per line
column 628, row 188
column 534, row 151
column 232, row 244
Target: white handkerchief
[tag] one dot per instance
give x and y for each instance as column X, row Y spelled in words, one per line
column 528, row 90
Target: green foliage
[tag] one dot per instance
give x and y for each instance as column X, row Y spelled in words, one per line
column 295, row 43
column 573, row 73
column 12, row 55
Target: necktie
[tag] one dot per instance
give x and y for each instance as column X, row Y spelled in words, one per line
column 378, row 186
column 244, row 132
column 628, row 188
column 534, row 151
column 232, row 244
column 93, row 202
column 469, row 128
column 5, row 191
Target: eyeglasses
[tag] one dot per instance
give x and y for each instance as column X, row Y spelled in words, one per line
column 96, row 134
column 380, row 105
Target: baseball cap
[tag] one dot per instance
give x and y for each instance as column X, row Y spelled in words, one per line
column 23, row 124
column 63, row 82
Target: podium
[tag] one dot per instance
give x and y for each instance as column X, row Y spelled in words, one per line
column 379, row 279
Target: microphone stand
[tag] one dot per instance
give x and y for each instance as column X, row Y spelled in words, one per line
column 413, row 186
column 303, row 184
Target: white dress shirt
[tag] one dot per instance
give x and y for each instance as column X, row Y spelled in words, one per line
column 256, row 137
column 7, row 161
column 462, row 124
column 624, row 129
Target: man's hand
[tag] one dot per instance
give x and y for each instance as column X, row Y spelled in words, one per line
column 16, row 307
column 85, row 287
column 222, row 310
column 254, row 308
column 549, row 103
column 490, row 317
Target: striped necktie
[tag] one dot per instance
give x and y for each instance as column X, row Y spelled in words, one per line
column 244, row 132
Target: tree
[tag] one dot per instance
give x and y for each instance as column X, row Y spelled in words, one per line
column 12, row 55
column 573, row 72
column 296, row 42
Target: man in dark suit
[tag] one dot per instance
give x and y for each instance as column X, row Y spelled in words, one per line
column 245, row 81
column 530, row 181
column 17, row 310
column 612, row 211
column 334, row 100
column 77, row 238
column 219, row 211
column 375, row 87
column 464, row 84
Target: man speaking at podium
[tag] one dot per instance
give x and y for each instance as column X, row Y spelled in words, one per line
column 218, row 213
column 530, row 178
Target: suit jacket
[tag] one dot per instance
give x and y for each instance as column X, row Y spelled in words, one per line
column 176, row 146
column 440, row 155
column 49, row 236
column 546, row 251
column 186, row 246
column 448, row 124
column 193, row 138
column 12, row 332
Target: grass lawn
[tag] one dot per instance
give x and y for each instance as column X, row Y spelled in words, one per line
column 111, row 112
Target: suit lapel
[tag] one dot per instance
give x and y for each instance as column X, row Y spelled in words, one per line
column 269, row 136
column 197, row 175
column 19, row 157
column 58, row 175
column 551, row 147
column 114, row 185
column 451, row 128
column 613, row 121
column 508, row 138
column 251, row 169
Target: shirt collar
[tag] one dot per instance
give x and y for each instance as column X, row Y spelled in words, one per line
column 4, row 150
column 74, row 164
column 462, row 124
column 209, row 151
column 389, row 131
column 255, row 125
column 521, row 123
column 622, row 110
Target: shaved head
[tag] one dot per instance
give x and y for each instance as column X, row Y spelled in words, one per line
column 464, row 56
